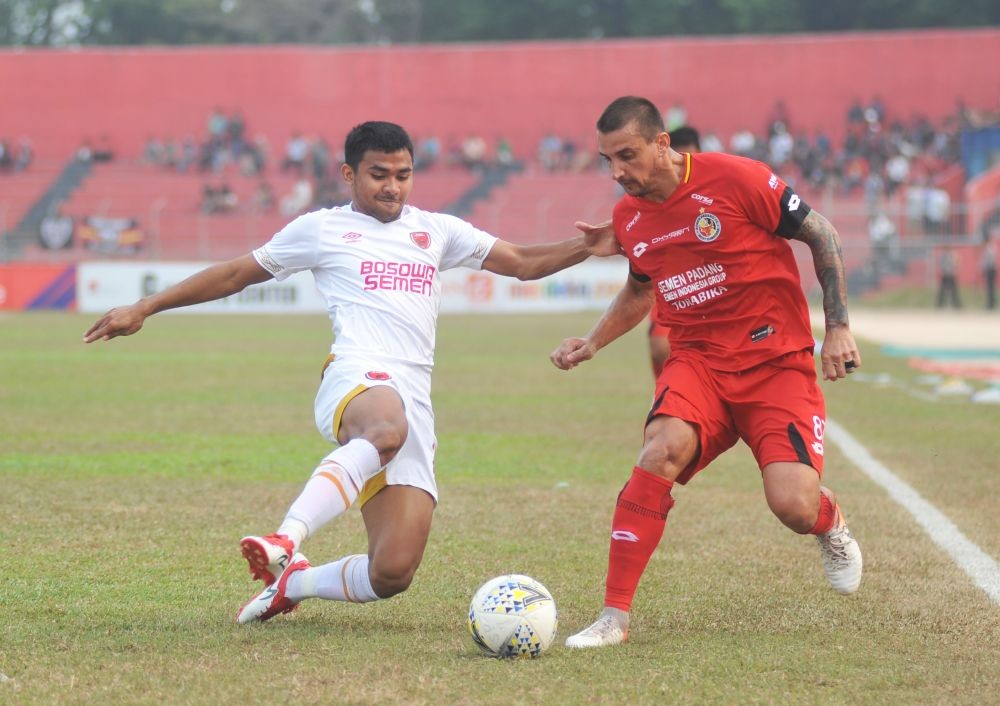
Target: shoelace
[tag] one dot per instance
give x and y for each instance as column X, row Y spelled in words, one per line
column 603, row 626
column 834, row 546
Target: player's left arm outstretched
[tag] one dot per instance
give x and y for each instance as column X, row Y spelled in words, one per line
column 215, row 282
column 528, row 262
column 840, row 355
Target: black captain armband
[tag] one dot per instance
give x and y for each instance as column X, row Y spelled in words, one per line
column 793, row 214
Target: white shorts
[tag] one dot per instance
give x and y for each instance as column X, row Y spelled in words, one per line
column 347, row 377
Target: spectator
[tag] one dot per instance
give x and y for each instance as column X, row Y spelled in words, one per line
column 780, row 146
column 153, row 151
column 504, row 153
column 187, row 155
column 218, row 199
column 742, row 143
column 897, row 171
column 262, row 200
column 103, row 151
column 988, row 266
column 884, row 244
column 85, row 152
column 428, row 152
column 296, row 152
column 675, row 117
column 473, row 152
column 217, row 124
column 298, row 199
column 25, row 155
column 948, row 278
column 550, row 152
column 777, row 123
column 711, row 143
column 319, row 157
column 937, row 210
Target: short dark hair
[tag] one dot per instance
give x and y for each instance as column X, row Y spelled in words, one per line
column 375, row 135
column 627, row 109
column 685, row 136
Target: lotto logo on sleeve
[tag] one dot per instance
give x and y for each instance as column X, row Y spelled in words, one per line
column 377, row 375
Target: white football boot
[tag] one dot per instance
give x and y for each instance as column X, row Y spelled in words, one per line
column 272, row 600
column 267, row 556
column 841, row 556
column 604, row 632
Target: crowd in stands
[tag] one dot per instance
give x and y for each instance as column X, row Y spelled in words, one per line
column 16, row 158
column 880, row 154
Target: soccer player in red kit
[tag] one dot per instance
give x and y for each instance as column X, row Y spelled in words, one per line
column 706, row 236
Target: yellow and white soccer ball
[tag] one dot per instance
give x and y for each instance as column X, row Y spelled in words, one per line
column 513, row 616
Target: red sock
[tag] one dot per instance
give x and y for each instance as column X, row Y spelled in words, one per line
column 827, row 514
column 640, row 516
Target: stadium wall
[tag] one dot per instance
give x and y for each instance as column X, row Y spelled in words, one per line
column 518, row 90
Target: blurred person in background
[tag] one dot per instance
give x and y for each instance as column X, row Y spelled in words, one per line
column 948, row 278
column 706, row 239
column 988, row 266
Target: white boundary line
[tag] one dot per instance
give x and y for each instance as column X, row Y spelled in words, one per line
column 980, row 566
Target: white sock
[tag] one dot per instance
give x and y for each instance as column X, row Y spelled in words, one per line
column 334, row 485
column 620, row 616
column 295, row 530
column 343, row 580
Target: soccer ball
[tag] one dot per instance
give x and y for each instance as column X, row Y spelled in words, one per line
column 513, row 616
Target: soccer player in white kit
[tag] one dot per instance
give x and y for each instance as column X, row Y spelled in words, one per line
column 376, row 262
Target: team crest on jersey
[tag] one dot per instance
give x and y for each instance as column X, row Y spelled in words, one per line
column 350, row 237
column 377, row 375
column 707, row 227
column 421, row 239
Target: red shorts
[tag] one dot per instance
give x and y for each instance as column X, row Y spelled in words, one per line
column 777, row 408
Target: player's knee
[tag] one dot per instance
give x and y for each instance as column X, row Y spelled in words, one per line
column 667, row 456
column 387, row 437
column 797, row 512
column 391, row 577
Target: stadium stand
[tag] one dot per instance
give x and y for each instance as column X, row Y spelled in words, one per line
column 20, row 190
column 842, row 125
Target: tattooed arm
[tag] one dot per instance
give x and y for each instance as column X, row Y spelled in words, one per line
column 839, row 347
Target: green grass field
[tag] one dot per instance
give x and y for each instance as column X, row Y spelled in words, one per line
column 129, row 471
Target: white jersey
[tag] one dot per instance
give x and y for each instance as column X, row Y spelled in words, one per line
column 380, row 280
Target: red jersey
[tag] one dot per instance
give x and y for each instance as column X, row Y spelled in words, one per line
column 725, row 276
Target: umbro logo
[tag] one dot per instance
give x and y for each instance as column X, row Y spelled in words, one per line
column 350, row 237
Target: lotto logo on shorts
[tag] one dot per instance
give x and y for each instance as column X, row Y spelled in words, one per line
column 377, row 375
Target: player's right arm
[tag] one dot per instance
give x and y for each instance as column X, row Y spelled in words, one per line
column 212, row 283
column 627, row 309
